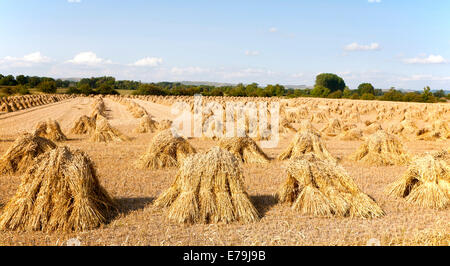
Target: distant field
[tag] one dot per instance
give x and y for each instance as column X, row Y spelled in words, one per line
column 125, row 92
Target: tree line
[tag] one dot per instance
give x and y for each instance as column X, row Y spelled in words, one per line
column 327, row 85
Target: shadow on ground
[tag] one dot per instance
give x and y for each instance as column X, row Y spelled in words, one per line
column 263, row 203
column 127, row 205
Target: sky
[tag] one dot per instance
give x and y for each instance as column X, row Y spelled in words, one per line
column 389, row 43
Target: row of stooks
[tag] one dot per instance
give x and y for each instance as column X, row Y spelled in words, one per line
column 342, row 119
column 60, row 190
column 321, row 110
column 16, row 103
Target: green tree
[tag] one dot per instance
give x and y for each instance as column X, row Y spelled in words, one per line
column 21, row 79
column 149, row 89
column 74, row 90
column 84, row 89
column 367, row 96
column 106, row 88
column 320, row 91
column 8, row 81
column 335, row 95
column 346, row 93
column 331, row 81
column 427, row 96
column 366, row 88
column 34, row 81
column 378, row 92
column 439, row 94
column 47, row 86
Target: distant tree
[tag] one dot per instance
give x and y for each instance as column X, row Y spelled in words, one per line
column 274, row 90
column 366, row 88
column 47, row 86
column 84, row 89
column 8, row 81
column 149, row 89
column 320, row 91
column 378, row 92
column 105, row 89
column 335, row 95
column 412, row 97
column 355, row 96
column 347, row 93
column 21, row 79
column 331, row 81
column 367, row 96
column 392, row 95
column 34, row 81
column 427, row 96
column 439, row 93
column 74, row 90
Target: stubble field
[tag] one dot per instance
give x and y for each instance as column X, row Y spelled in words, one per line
column 140, row 223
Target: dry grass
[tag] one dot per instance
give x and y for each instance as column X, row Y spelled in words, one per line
column 381, row 148
column 320, row 188
column 245, row 149
column 209, row 188
column 59, row 192
column 165, row 150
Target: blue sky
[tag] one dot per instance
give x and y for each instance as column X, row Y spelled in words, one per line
column 400, row 43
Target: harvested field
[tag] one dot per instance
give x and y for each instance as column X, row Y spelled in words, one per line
column 134, row 190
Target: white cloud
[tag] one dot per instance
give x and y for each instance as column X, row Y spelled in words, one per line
column 88, row 58
column 360, row 47
column 425, row 77
column 374, row 1
column 431, row 59
column 273, row 29
column 25, row 61
column 251, row 53
column 74, row 1
column 148, row 62
column 188, row 70
column 298, row 75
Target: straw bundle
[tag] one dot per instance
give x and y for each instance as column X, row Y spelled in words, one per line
column 165, row 150
column 425, row 183
column 60, row 192
column 380, row 149
column 164, row 124
column 333, row 128
column 50, row 130
column 286, row 127
column 316, row 187
column 146, row 124
column 22, row 153
column 245, row 149
column 439, row 130
column 208, row 188
column 83, row 125
column 352, row 134
column 306, row 141
column 104, row 132
column 372, row 128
